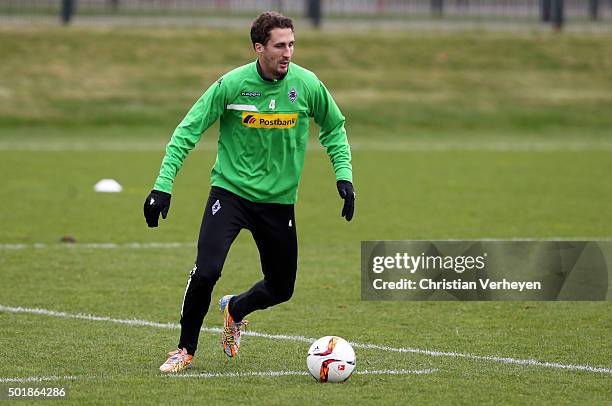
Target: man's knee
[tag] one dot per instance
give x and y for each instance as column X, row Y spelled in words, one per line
column 282, row 293
column 205, row 274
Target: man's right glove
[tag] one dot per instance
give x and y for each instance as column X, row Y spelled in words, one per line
column 346, row 191
column 157, row 202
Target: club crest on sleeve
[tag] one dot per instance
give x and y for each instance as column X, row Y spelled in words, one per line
column 293, row 95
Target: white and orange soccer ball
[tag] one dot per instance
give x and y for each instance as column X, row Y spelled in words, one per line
column 331, row 359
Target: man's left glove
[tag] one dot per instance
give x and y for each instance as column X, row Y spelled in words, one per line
column 157, row 202
column 346, row 191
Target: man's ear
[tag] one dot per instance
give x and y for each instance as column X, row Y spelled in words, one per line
column 259, row 48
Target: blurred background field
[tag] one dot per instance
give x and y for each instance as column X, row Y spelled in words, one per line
column 473, row 101
column 139, row 82
column 466, row 134
column 419, row 14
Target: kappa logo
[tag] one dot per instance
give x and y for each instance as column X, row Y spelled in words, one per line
column 216, row 207
column 341, row 367
column 261, row 120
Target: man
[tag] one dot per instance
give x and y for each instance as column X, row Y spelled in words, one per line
column 264, row 109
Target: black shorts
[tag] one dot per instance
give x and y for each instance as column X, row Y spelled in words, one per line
column 273, row 228
column 271, row 224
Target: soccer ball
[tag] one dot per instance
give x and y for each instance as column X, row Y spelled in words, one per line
column 331, row 359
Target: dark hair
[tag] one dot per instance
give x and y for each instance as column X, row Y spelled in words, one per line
column 266, row 22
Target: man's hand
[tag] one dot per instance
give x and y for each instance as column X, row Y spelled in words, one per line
column 157, row 202
column 346, row 191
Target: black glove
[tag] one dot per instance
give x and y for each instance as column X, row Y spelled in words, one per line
column 157, row 202
column 346, row 191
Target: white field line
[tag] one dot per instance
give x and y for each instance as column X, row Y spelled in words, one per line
column 39, row 379
column 297, row 373
column 101, row 246
column 172, row 245
column 264, row 374
column 483, row 145
column 309, row 340
column 397, row 372
column 512, row 145
column 272, row 374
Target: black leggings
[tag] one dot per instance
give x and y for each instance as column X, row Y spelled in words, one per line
column 273, row 228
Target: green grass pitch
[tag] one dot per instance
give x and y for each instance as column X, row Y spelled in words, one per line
column 461, row 136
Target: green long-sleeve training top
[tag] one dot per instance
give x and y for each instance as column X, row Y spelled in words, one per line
column 263, row 133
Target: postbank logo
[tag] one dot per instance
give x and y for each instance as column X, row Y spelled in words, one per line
column 260, row 120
